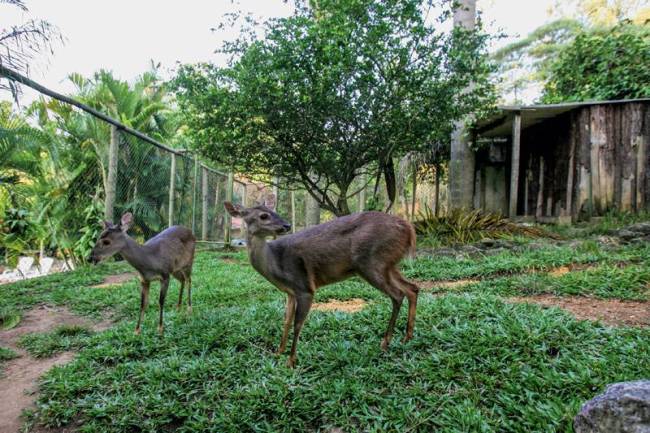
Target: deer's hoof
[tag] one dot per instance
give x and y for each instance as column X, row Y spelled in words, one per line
column 161, row 330
column 137, row 331
column 407, row 338
column 384, row 345
column 291, row 362
column 189, row 310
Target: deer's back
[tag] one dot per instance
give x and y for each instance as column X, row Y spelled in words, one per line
column 339, row 247
column 174, row 247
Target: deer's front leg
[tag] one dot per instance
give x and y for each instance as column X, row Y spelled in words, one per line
column 303, row 305
column 289, row 313
column 144, row 300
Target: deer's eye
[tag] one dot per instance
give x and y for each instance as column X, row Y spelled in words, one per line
column 106, row 242
column 264, row 216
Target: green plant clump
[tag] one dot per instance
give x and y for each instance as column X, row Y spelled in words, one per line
column 462, row 226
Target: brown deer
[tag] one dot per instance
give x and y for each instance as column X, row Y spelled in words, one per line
column 169, row 253
column 368, row 244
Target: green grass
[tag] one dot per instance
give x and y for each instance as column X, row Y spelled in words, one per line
column 61, row 339
column 476, row 364
column 6, row 354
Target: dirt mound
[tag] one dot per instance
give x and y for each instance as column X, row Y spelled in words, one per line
column 350, row 306
column 19, row 380
column 610, row 311
column 115, row 280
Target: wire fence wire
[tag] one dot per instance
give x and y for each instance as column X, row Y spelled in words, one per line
column 161, row 188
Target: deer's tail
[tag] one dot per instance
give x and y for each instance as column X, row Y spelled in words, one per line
column 411, row 242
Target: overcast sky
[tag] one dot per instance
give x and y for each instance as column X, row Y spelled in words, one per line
column 124, row 36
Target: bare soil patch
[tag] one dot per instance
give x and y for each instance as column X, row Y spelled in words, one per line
column 350, row 306
column 610, row 311
column 19, row 380
column 449, row 285
column 115, row 280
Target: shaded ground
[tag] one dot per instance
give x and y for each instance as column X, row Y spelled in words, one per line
column 114, row 280
column 20, row 376
column 610, row 311
column 350, row 306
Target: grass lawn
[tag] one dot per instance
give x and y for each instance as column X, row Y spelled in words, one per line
column 476, row 364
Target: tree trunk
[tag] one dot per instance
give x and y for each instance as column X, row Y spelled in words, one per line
column 462, row 164
column 312, row 211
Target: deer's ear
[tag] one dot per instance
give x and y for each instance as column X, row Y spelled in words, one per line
column 269, row 201
column 126, row 221
column 107, row 225
column 234, row 209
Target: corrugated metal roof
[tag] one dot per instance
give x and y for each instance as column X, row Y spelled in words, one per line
column 500, row 124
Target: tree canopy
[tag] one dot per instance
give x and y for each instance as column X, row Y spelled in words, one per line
column 335, row 91
column 602, row 64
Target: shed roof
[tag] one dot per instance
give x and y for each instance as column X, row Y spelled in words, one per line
column 500, row 124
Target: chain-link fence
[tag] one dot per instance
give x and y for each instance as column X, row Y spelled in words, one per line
column 164, row 187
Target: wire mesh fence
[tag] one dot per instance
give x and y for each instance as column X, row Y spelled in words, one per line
column 162, row 188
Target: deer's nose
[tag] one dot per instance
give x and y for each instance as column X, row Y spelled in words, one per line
column 286, row 227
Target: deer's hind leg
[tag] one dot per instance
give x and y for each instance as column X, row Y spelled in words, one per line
column 144, row 300
column 188, row 280
column 381, row 280
column 164, row 285
column 411, row 292
column 181, row 279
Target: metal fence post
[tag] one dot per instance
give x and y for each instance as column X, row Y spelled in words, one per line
column 111, row 178
column 172, row 192
column 227, row 220
column 204, row 203
column 196, row 175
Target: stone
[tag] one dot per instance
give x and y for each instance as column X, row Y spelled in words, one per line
column 608, row 241
column 488, row 243
column 622, row 408
column 627, row 235
column 643, row 228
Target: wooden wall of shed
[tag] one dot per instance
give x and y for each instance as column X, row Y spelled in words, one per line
column 600, row 153
column 612, row 167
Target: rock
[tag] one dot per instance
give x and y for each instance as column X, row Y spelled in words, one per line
column 627, row 235
column 643, row 228
column 494, row 251
column 608, row 241
column 469, row 249
column 444, row 252
column 488, row 243
column 623, row 408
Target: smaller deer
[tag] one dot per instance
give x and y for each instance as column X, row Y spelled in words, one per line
column 171, row 252
column 368, row 244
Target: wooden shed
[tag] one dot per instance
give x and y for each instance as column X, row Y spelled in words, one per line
column 564, row 162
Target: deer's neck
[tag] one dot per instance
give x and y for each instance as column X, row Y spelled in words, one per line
column 136, row 255
column 261, row 257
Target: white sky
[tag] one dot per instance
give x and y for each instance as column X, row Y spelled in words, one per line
column 124, row 36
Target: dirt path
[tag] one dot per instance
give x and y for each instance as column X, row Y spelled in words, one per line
column 19, row 382
column 610, row 311
column 114, row 280
column 350, row 306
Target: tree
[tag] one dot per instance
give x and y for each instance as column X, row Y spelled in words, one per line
column 525, row 64
column 462, row 161
column 20, row 43
column 604, row 12
column 602, row 64
column 321, row 100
